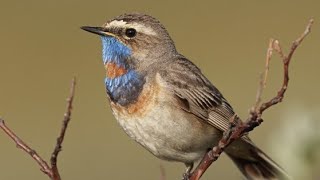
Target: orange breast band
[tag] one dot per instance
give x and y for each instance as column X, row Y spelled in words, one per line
column 113, row 70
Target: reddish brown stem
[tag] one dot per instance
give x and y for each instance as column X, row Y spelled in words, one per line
column 65, row 122
column 237, row 130
column 52, row 172
column 22, row 145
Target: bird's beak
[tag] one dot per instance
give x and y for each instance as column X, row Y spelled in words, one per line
column 97, row 30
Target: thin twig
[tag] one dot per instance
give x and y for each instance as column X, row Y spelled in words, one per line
column 237, row 130
column 65, row 122
column 286, row 62
column 52, row 171
column 162, row 173
column 264, row 76
column 44, row 167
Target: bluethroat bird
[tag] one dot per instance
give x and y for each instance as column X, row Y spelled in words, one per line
column 164, row 102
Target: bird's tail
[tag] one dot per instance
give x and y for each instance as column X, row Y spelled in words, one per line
column 259, row 166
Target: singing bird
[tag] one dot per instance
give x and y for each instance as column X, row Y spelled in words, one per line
column 164, row 102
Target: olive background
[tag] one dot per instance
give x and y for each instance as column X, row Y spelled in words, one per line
column 42, row 47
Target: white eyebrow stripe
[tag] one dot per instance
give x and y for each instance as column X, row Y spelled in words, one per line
column 139, row 27
column 143, row 29
column 116, row 23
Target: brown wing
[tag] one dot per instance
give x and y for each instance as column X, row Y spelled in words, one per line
column 197, row 94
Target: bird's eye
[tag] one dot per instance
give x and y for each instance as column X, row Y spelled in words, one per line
column 130, row 32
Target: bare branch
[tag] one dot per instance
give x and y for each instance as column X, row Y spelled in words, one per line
column 286, row 62
column 237, row 130
column 215, row 152
column 264, row 76
column 65, row 122
column 22, row 145
column 162, row 173
column 52, row 171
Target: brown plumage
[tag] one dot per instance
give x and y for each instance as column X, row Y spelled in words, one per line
column 179, row 114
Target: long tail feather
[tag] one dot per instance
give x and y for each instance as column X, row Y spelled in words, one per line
column 259, row 166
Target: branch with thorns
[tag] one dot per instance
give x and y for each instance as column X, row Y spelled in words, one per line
column 51, row 171
column 237, row 130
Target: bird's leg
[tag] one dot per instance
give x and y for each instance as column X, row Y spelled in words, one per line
column 186, row 174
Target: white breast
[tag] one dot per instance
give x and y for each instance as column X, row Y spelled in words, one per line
column 164, row 129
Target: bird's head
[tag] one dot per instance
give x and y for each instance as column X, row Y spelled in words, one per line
column 134, row 41
column 132, row 46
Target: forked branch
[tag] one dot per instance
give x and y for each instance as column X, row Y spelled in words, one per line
column 52, row 172
column 237, row 130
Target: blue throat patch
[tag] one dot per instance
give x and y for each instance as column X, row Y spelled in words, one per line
column 126, row 88
column 114, row 51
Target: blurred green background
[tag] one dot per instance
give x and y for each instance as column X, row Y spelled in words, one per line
column 42, row 48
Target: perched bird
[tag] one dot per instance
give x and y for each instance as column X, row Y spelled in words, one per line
column 164, row 102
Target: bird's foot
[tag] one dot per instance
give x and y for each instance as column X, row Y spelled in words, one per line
column 186, row 174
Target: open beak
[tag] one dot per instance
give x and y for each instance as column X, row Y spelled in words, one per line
column 97, row 30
